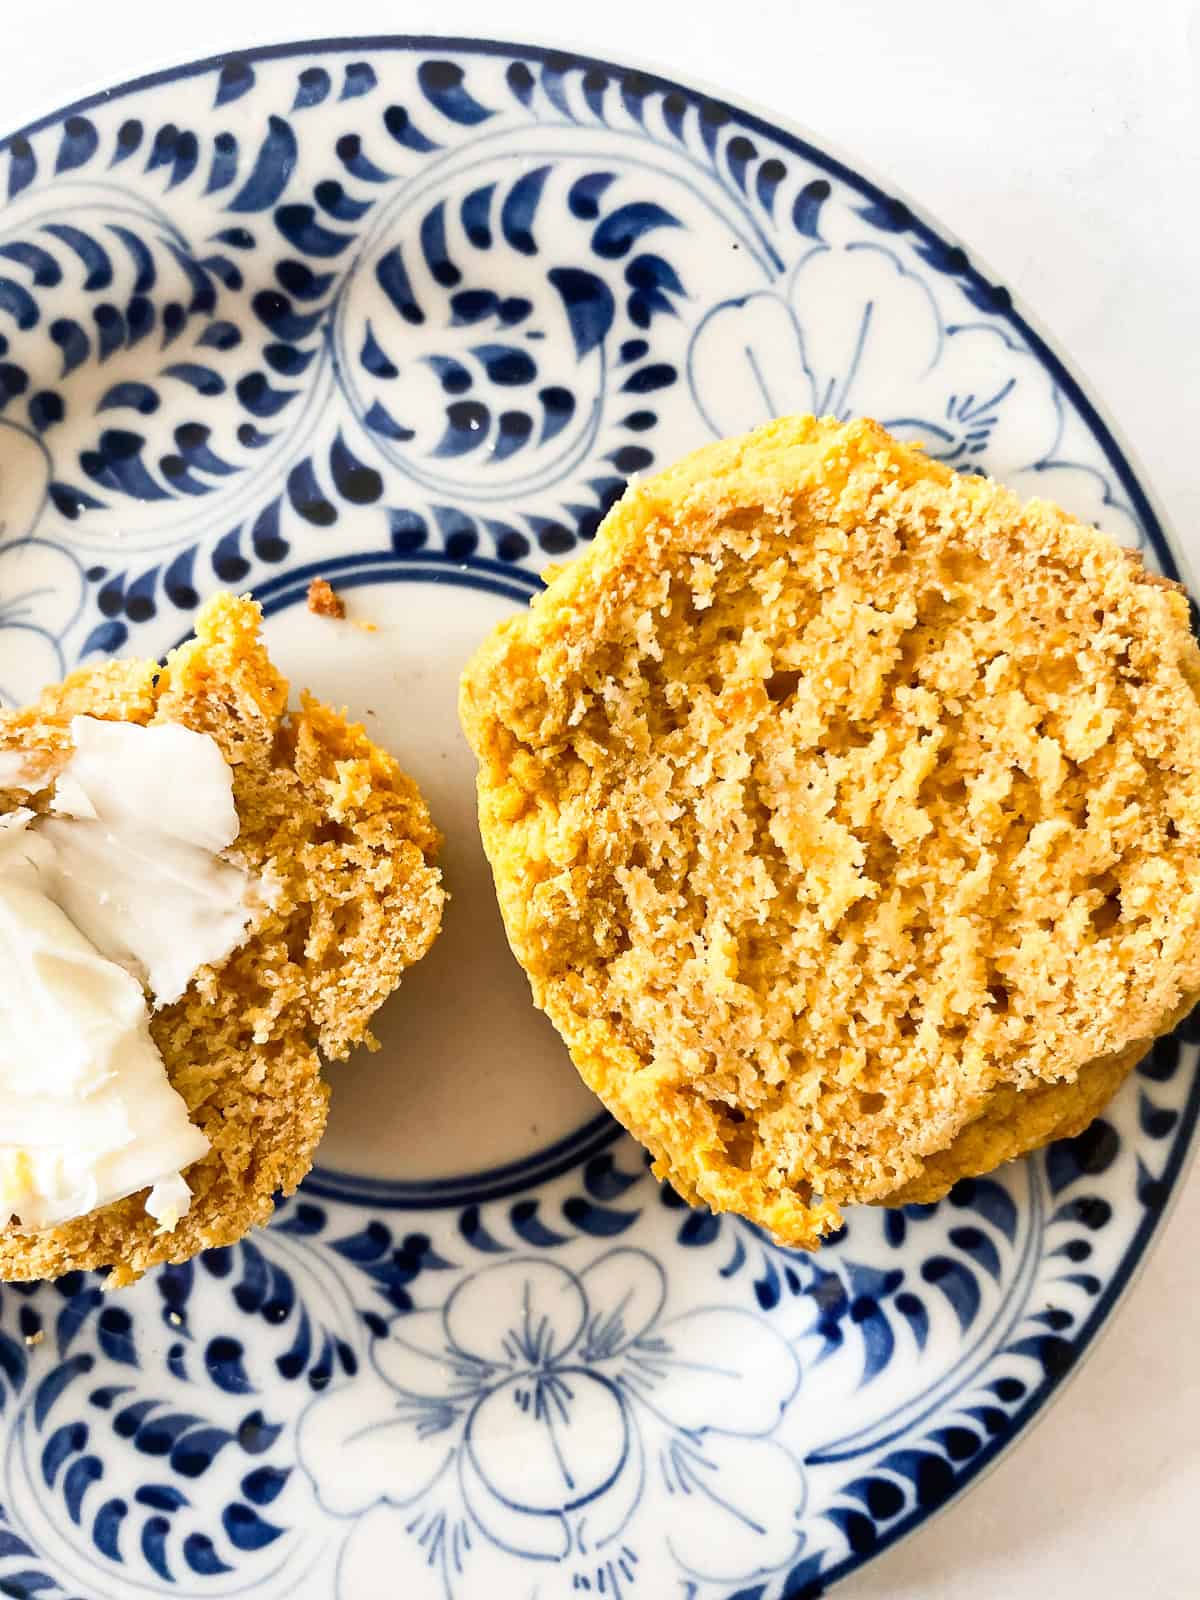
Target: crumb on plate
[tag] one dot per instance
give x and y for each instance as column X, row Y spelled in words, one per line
column 324, row 600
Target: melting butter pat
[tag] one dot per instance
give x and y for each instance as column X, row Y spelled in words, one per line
column 119, row 890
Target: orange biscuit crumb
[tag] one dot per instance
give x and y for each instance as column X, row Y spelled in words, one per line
column 324, row 601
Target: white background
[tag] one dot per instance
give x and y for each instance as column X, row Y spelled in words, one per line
column 1061, row 140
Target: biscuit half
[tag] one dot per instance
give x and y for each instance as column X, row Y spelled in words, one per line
column 344, row 841
column 845, row 815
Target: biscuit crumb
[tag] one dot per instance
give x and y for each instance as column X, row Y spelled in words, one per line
column 324, row 601
column 34, row 1339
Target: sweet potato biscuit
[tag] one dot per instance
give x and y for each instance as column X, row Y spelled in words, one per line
column 346, row 849
column 845, row 815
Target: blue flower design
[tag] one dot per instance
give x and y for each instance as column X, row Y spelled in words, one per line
column 41, row 583
column 556, row 1421
column 856, row 329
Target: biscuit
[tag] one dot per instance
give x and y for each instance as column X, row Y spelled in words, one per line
column 346, row 844
column 845, row 815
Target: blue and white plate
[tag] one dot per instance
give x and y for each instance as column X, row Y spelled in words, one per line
column 408, row 314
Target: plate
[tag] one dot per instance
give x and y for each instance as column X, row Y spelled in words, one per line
column 408, row 314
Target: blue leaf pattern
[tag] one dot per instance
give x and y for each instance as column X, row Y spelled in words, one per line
column 272, row 170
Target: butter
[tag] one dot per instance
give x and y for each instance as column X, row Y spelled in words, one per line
column 14, row 770
column 120, row 889
column 140, row 815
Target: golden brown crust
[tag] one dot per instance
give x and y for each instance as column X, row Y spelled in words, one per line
column 835, row 801
column 1014, row 1122
column 345, row 843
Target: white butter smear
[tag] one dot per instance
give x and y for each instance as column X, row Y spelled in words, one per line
column 121, row 887
column 14, row 770
column 141, row 813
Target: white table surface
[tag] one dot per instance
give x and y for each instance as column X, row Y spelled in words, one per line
column 1062, row 142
